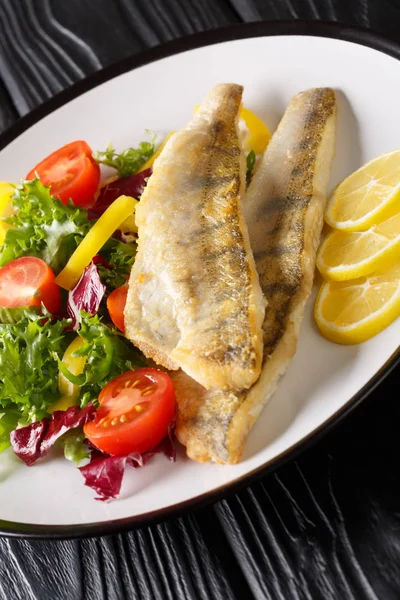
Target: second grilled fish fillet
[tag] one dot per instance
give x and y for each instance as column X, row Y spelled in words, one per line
column 194, row 298
column 284, row 213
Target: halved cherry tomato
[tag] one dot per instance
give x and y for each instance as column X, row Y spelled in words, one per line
column 28, row 281
column 71, row 172
column 115, row 304
column 134, row 413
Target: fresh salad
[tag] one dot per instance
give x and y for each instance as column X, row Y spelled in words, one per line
column 68, row 375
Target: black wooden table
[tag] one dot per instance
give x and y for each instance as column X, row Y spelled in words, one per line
column 326, row 526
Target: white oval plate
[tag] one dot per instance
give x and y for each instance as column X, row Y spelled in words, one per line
column 158, row 90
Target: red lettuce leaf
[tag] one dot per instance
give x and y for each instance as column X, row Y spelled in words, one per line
column 35, row 440
column 104, row 473
column 86, row 295
column 133, row 185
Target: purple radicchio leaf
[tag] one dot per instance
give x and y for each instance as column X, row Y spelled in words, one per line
column 86, row 295
column 99, row 260
column 104, row 473
column 35, row 440
column 132, row 185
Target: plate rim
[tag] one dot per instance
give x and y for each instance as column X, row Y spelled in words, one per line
column 333, row 30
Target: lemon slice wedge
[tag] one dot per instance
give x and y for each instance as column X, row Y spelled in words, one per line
column 368, row 196
column 346, row 255
column 351, row 312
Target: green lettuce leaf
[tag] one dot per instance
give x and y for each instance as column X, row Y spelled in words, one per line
column 108, row 354
column 42, row 226
column 121, row 256
column 13, row 315
column 29, row 354
column 8, row 422
column 127, row 162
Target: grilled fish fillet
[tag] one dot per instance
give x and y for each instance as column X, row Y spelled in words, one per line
column 284, row 213
column 194, row 298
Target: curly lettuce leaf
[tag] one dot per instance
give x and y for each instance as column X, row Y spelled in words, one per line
column 42, row 226
column 128, row 161
column 8, row 422
column 120, row 256
column 13, row 315
column 29, row 354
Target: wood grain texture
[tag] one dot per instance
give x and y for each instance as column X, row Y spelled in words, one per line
column 324, row 527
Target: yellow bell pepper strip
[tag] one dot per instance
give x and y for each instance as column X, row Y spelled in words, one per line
column 75, row 364
column 129, row 225
column 6, row 191
column 150, row 161
column 63, row 403
column 101, row 231
column 259, row 134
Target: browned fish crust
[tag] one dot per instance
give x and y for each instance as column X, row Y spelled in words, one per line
column 191, row 223
column 284, row 213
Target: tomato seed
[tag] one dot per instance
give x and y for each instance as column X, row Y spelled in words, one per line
column 123, row 419
column 139, row 408
column 117, row 391
column 146, row 390
column 114, row 421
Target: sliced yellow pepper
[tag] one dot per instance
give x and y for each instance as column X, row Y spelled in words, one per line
column 101, row 231
column 6, row 191
column 259, row 134
column 129, row 225
column 75, row 364
column 63, row 403
column 150, row 161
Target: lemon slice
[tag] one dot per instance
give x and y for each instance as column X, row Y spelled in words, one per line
column 368, row 196
column 346, row 255
column 351, row 312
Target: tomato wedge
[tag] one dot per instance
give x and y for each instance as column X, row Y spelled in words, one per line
column 115, row 304
column 28, row 281
column 134, row 413
column 71, row 172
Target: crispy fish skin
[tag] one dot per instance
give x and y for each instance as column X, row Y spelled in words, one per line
column 284, row 213
column 194, row 298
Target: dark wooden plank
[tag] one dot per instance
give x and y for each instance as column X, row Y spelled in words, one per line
column 327, row 526
column 8, row 112
column 179, row 560
column 47, row 45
